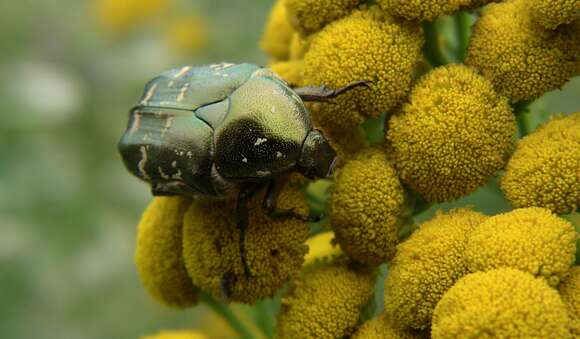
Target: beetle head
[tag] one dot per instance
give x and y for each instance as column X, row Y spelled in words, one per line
column 317, row 159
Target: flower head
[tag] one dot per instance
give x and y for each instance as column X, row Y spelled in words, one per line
column 158, row 255
column 531, row 239
column 176, row 335
column 569, row 290
column 427, row 10
column 520, row 58
column 321, row 246
column 187, row 35
column 326, row 301
column 502, row 303
column 426, row 266
column 453, row 134
column 290, row 71
column 552, row 13
column 382, row 327
column 363, row 46
column 278, row 33
column 543, row 170
column 274, row 248
column 120, row 16
column 365, row 207
column 309, row 16
column 299, row 45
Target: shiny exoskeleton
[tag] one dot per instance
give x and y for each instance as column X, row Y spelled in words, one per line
column 225, row 128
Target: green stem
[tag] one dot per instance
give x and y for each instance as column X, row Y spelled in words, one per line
column 521, row 109
column 463, row 28
column 227, row 314
column 264, row 317
column 432, row 48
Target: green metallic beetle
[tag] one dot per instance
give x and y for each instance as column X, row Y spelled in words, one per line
column 225, row 129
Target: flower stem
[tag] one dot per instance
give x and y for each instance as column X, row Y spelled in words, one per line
column 432, row 48
column 521, row 110
column 463, row 28
column 227, row 314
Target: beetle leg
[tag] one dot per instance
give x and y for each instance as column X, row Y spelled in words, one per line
column 242, row 219
column 324, row 93
column 270, row 209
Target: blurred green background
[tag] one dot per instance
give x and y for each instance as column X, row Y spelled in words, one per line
column 70, row 70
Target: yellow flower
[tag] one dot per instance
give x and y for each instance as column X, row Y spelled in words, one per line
column 309, row 16
column 426, row 266
column 365, row 207
column 274, row 248
column 522, row 60
column 543, row 170
column 321, row 246
column 187, row 35
column 529, row 239
column 119, row 16
column 453, row 134
column 382, row 327
column 326, row 301
column 552, row 13
column 362, row 46
column 569, row 290
column 278, row 32
column 290, row 71
column 158, row 255
column 502, row 303
column 429, row 9
column 176, row 335
column 299, row 46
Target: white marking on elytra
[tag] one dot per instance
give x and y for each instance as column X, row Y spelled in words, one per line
column 141, row 164
column 163, row 175
column 260, row 141
column 181, row 72
column 168, row 123
column 177, row 175
column 171, row 83
column 189, row 154
column 263, row 173
column 179, row 153
column 279, row 154
column 245, row 160
column 136, row 123
column 181, row 95
column 174, row 163
column 149, row 94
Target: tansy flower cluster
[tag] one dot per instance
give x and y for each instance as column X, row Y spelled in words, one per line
column 370, row 269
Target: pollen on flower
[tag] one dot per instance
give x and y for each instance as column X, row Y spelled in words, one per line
column 569, row 291
column 453, row 134
column 365, row 206
column 552, row 13
column 321, row 246
column 382, row 327
column 176, row 335
column 290, row 71
column 274, row 248
column 543, row 170
column 309, row 16
column 522, row 59
column 426, row 266
column 159, row 256
column 278, row 33
column 479, row 305
column 531, row 239
column 326, row 300
column 363, row 46
column 299, row 45
column 427, row 10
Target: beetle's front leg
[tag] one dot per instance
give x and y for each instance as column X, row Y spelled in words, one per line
column 242, row 219
column 324, row 93
column 269, row 205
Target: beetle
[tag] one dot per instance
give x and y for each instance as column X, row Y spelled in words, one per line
column 226, row 129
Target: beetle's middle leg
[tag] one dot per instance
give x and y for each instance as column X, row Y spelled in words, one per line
column 269, row 205
column 324, row 93
column 242, row 219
